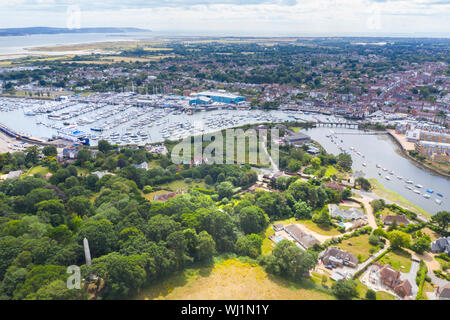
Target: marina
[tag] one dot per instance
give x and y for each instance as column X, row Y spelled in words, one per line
column 126, row 118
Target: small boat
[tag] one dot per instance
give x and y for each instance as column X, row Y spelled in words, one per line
column 409, row 182
column 419, row 186
column 392, row 172
column 364, row 164
column 408, row 187
column 430, row 191
column 399, row 178
column 438, row 201
column 378, row 166
column 439, row 194
column 388, row 178
column 416, row 191
column 426, row 196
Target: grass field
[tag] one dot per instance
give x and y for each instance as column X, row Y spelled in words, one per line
column 399, row 259
column 433, row 235
column 359, row 246
column 231, row 279
column 39, row 169
column 326, row 231
column 381, row 191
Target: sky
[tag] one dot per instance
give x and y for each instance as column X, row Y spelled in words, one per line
column 239, row 17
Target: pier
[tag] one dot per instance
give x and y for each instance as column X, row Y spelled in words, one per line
column 353, row 125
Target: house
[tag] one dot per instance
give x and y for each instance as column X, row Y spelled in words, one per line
column 335, row 186
column 296, row 139
column 11, row 175
column 338, row 258
column 100, row 174
column 303, row 239
column 391, row 278
column 278, row 227
column 143, row 165
column 165, row 196
column 70, row 153
column 388, row 220
column 350, row 214
column 443, row 293
column 441, row 245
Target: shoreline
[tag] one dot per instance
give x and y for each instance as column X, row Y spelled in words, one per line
column 415, row 161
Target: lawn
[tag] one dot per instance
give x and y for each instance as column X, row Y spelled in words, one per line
column 324, row 230
column 231, row 279
column 433, row 235
column 381, row 295
column 359, row 246
column 39, row 169
column 330, row 171
column 180, row 185
column 268, row 244
column 381, row 191
column 399, row 259
column 149, row 196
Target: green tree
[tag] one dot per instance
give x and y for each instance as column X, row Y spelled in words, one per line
column 399, row 239
column 442, row 218
column 289, row 261
column 345, row 289
column 253, row 219
column 225, row 189
column 206, row 246
column 371, row 295
column 50, row 151
column 101, row 236
column 302, row 210
column 249, row 245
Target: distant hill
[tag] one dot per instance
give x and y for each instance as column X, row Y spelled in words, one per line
column 48, row 30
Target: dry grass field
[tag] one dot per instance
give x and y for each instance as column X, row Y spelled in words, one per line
column 234, row 280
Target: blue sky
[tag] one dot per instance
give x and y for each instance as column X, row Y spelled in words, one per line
column 238, row 17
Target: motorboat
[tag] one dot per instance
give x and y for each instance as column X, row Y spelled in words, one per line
column 364, row 164
column 430, row 191
column 426, row 196
column 388, row 178
column 419, row 186
column 439, row 194
column 378, row 166
column 416, row 191
column 409, row 182
column 438, row 201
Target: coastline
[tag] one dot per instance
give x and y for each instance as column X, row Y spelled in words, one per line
column 415, row 161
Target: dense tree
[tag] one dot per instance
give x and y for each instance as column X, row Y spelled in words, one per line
column 253, row 219
column 101, row 236
column 49, row 151
column 399, row 239
column 302, row 210
column 225, row 189
column 249, row 245
column 442, row 218
column 206, row 247
column 288, row 260
column 345, row 289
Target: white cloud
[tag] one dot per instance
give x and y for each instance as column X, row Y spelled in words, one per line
column 276, row 17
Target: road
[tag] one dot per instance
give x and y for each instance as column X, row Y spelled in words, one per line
column 411, row 277
column 272, row 163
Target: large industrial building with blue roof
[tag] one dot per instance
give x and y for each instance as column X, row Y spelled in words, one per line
column 208, row 97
